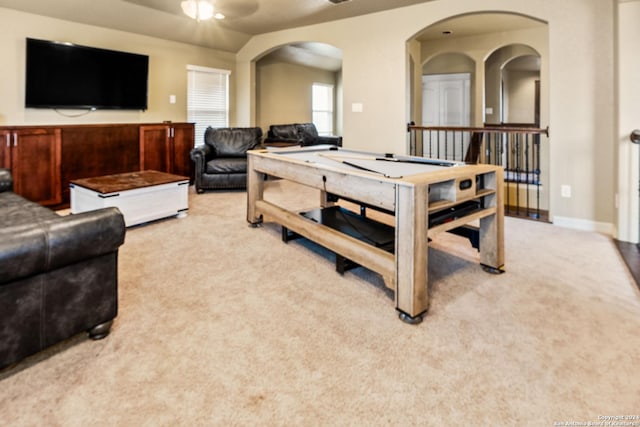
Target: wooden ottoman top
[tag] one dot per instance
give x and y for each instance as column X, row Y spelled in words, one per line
column 127, row 181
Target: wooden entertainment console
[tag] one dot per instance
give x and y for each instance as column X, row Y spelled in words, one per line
column 44, row 159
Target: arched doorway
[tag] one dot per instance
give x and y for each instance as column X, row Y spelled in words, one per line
column 285, row 77
column 476, row 37
column 512, row 86
column 505, row 56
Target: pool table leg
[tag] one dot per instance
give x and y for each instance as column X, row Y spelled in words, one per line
column 492, row 227
column 255, row 192
column 411, row 295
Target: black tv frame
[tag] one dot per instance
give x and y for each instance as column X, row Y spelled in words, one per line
column 69, row 76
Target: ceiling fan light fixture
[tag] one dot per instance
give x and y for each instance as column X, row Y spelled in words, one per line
column 200, row 10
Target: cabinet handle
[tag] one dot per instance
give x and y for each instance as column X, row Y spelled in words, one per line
column 8, row 139
column 15, row 139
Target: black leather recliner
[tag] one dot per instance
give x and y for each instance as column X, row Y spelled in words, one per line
column 302, row 134
column 221, row 162
column 58, row 274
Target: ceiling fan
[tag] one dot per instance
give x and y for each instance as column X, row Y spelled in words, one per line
column 200, row 10
column 207, row 9
column 254, row 16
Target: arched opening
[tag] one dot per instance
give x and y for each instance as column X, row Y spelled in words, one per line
column 512, row 86
column 454, row 44
column 504, row 58
column 285, row 78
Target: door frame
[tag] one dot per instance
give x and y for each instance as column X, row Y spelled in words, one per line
column 627, row 196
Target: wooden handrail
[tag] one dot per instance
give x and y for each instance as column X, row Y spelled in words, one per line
column 515, row 146
column 487, row 129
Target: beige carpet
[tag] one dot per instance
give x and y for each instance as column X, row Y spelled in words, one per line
column 223, row 324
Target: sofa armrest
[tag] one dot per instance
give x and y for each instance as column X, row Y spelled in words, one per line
column 6, row 180
column 201, row 154
column 27, row 250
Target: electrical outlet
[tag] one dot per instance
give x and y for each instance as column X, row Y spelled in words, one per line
column 565, row 191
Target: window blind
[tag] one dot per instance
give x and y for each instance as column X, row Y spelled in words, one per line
column 207, row 99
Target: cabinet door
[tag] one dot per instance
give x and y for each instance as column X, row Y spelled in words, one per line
column 183, row 138
column 5, row 146
column 155, row 148
column 35, row 164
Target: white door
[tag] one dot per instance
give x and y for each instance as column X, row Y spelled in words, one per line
column 446, row 102
column 446, row 99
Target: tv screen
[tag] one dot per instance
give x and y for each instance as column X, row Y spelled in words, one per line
column 65, row 75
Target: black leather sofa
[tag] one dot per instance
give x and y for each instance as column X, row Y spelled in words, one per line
column 58, row 274
column 221, row 162
column 302, row 134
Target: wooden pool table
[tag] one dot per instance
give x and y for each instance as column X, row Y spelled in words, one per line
column 426, row 197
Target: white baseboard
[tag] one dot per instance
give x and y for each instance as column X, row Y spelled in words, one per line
column 584, row 224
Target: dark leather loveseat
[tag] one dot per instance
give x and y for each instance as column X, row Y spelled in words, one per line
column 221, row 162
column 58, row 274
column 302, row 134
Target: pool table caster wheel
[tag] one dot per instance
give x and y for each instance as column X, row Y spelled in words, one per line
column 411, row 320
column 257, row 223
column 492, row 270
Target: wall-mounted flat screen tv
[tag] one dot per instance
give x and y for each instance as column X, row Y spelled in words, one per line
column 65, row 75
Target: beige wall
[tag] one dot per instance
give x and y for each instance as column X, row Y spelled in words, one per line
column 520, row 88
column 167, row 69
column 580, row 93
column 448, row 63
column 283, row 92
column 414, row 82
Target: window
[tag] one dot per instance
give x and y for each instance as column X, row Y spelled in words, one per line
column 207, row 99
column 322, row 106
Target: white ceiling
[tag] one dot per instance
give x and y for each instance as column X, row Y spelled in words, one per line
column 309, row 54
column 164, row 18
column 245, row 18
